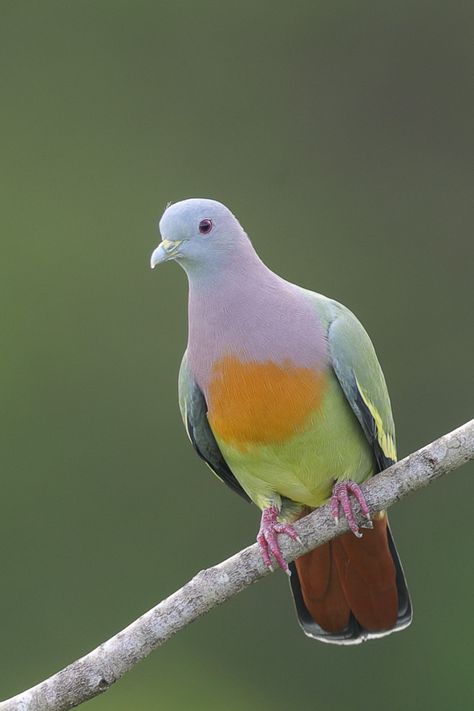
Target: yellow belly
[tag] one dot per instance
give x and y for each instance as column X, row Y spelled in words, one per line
column 283, row 443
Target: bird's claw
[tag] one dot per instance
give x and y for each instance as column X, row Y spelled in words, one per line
column 267, row 538
column 340, row 498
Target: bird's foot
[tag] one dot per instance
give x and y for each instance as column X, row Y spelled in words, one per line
column 340, row 497
column 267, row 538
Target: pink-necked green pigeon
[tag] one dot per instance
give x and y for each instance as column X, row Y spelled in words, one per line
column 282, row 395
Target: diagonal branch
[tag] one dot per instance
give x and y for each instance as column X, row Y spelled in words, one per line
column 97, row 671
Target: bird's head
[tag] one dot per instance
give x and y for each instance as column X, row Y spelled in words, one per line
column 197, row 233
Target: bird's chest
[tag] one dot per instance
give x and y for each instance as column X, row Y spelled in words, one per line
column 262, row 402
column 261, row 364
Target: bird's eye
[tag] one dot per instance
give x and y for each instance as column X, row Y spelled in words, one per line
column 205, row 226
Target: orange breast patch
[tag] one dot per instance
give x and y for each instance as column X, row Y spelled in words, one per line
column 261, row 402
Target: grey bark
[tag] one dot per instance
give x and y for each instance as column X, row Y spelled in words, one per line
column 97, row 671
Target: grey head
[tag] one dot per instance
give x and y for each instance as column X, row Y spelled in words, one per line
column 200, row 234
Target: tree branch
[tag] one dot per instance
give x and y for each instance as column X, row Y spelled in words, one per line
column 97, row 671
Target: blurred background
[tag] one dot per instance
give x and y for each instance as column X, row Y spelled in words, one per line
column 340, row 133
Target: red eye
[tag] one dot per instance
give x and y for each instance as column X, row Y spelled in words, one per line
column 205, row 226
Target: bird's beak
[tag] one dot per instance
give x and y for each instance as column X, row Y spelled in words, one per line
column 166, row 250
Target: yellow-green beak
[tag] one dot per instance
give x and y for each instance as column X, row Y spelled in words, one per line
column 167, row 249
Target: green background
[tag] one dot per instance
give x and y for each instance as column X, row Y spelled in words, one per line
column 340, row 133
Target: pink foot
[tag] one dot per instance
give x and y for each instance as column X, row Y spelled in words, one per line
column 267, row 538
column 340, row 497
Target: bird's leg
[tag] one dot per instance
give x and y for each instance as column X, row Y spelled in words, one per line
column 340, row 497
column 268, row 534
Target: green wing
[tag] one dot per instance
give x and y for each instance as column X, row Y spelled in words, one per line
column 193, row 407
column 359, row 373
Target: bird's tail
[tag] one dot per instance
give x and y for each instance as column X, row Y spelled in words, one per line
column 352, row 589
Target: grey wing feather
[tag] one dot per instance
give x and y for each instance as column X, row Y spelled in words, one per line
column 359, row 373
column 193, row 408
